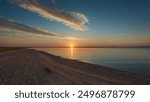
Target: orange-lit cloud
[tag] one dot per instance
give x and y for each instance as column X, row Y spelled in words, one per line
column 74, row 20
column 8, row 26
column 11, row 25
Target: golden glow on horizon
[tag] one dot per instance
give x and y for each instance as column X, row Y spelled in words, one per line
column 71, row 45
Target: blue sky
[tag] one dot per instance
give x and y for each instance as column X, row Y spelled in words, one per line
column 94, row 22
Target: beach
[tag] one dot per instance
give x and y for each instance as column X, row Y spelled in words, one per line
column 32, row 67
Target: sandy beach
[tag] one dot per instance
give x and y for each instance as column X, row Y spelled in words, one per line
column 32, row 67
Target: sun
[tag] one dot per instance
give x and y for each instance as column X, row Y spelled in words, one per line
column 71, row 45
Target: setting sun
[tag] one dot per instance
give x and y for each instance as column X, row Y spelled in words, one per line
column 72, row 45
column 64, row 42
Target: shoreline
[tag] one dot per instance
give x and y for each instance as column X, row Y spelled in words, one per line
column 32, row 67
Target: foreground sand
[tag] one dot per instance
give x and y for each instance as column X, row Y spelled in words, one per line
column 27, row 66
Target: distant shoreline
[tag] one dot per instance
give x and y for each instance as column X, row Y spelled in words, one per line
column 3, row 49
column 9, row 48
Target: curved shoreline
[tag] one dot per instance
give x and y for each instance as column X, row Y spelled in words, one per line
column 32, row 67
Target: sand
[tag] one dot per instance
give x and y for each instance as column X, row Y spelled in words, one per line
column 31, row 67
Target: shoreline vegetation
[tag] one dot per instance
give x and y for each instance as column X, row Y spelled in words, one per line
column 21, row 66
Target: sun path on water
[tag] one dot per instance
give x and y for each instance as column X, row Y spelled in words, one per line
column 71, row 50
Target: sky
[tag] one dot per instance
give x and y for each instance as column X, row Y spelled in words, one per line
column 47, row 23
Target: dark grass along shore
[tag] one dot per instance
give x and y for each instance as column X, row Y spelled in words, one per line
column 31, row 67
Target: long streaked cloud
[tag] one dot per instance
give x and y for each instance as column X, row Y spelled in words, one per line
column 74, row 20
column 11, row 25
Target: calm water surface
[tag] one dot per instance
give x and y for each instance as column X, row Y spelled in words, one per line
column 135, row 60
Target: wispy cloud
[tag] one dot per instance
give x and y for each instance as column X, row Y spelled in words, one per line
column 11, row 26
column 74, row 20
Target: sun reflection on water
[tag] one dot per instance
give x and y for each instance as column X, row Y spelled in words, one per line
column 71, row 51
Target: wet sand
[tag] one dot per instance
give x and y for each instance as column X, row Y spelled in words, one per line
column 31, row 67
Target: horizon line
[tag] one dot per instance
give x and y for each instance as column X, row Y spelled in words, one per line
column 79, row 46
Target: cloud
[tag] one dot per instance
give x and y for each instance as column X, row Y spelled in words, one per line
column 9, row 26
column 74, row 20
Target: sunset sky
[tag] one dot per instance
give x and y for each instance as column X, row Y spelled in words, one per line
column 45, row 23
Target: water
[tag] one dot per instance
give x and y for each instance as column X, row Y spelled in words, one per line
column 136, row 60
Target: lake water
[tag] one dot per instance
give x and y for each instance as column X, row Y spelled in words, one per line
column 135, row 60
